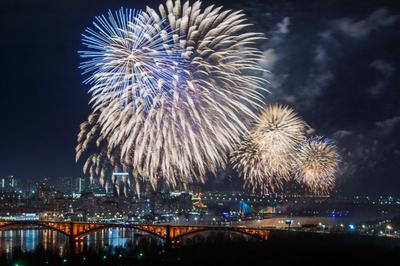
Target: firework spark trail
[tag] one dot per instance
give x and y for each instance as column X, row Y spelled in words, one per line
column 247, row 160
column 103, row 162
column 183, row 121
column 265, row 158
column 316, row 164
column 129, row 57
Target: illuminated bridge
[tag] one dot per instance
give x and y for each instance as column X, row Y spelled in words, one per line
column 77, row 231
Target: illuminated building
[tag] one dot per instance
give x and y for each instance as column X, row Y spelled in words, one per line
column 71, row 186
column 8, row 183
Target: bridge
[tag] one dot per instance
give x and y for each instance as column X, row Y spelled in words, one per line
column 77, row 231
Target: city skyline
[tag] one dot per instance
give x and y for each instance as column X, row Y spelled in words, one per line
column 44, row 104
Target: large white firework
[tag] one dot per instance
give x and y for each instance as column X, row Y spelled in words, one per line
column 316, row 164
column 173, row 108
column 265, row 158
column 131, row 59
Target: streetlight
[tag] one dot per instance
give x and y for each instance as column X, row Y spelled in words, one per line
column 389, row 228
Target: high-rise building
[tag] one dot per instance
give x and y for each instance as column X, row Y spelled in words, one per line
column 8, row 183
column 46, row 191
column 70, row 186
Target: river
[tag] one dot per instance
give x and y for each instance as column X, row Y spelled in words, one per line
column 29, row 239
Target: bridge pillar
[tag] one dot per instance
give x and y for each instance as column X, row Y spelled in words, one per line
column 168, row 239
column 71, row 239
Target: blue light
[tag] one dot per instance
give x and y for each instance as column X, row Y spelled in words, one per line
column 120, row 174
column 159, row 71
column 352, row 226
column 244, row 208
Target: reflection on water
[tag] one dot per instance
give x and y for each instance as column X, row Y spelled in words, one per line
column 112, row 237
column 29, row 239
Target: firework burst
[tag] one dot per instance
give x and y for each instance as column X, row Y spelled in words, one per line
column 316, row 164
column 131, row 58
column 173, row 89
column 265, row 158
column 247, row 159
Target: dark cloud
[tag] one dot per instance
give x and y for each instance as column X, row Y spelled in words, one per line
column 341, row 134
column 385, row 72
column 283, row 26
column 337, row 65
column 363, row 27
column 389, row 123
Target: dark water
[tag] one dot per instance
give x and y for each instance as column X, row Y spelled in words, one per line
column 29, row 239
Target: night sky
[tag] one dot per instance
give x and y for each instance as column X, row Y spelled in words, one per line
column 337, row 64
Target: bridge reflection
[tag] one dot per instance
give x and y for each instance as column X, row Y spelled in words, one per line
column 170, row 234
column 29, row 239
